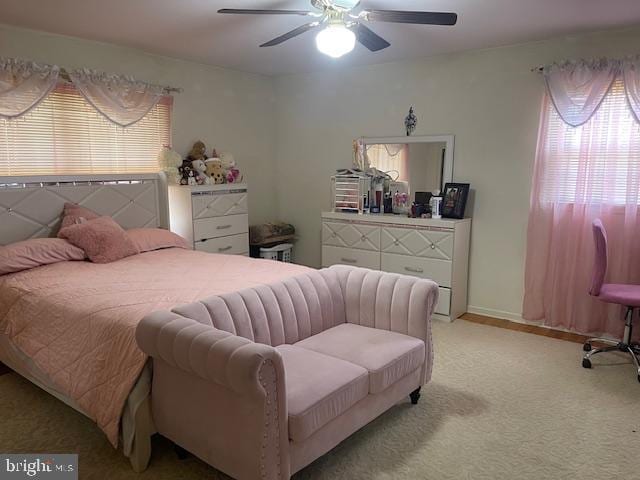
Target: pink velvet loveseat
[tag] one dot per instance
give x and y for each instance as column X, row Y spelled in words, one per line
column 261, row 382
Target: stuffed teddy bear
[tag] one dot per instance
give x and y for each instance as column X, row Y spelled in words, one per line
column 200, row 171
column 169, row 162
column 233, row 175
column 186, row 173
column 232, row 172
column 215, row 170
column 198, row 152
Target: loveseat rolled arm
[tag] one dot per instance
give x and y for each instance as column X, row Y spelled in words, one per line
column 218, row 395
column 389, row 301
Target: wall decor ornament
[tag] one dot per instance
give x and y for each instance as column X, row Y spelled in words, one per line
column 410, row 122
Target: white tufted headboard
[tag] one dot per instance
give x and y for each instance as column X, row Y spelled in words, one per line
column 30, row 207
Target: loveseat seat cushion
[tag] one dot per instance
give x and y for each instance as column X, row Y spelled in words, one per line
column 319, row 388
column 388, row 356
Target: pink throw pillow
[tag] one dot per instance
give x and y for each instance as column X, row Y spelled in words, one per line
column 74, row 213
column 148, row 239
column 36, row 252
column 102, row 239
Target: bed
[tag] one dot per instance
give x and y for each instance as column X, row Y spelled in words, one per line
column 69, row 327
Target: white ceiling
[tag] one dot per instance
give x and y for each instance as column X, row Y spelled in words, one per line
column 192, row 29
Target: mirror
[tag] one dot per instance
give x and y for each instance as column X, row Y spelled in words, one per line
column 425, row 162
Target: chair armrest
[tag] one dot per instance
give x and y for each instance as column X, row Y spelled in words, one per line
column 228, row 360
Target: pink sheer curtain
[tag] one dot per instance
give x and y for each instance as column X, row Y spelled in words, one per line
column 583, row 173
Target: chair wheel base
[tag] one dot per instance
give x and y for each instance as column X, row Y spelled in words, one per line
column 586, row 363
column 586, row 347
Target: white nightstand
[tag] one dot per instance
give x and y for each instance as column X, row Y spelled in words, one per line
column 213, row 217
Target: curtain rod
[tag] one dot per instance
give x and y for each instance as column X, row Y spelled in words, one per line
column 65, row 76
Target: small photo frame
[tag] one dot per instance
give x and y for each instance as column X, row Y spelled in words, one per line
column 454, row 200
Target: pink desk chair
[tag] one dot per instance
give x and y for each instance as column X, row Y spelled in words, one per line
column 621, row 294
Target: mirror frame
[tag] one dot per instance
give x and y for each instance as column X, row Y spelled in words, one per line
column 449, row 140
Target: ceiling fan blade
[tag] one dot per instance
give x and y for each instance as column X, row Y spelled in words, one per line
column 422, row 18
column 244, row 11
column 369, row 38
column 289, row 35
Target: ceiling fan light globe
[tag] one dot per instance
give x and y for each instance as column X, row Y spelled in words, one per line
column 336, row 41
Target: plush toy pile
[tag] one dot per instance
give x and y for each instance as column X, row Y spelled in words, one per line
column 198, row 169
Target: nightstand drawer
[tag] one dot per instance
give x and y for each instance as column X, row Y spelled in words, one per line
column 218, row 204
column 233, row 245
column 220, row 226
column 430, row 268
column 350, row 256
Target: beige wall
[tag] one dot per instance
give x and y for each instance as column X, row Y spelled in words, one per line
column 290, row 133
column 228, row 110
column 489, row 99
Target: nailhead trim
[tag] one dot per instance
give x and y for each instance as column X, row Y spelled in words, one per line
column 271, row 392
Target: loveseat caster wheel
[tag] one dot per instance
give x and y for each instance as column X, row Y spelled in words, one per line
column 415, row 396
column 181, row 453
column 586, row 347
column 586, row 363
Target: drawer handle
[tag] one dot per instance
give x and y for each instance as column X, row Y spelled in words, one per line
column 396, row 242
column 433, row 246
column 223, row 227
column 225, row 249
column 363, row 238
column 349, row 260
column 414, row 270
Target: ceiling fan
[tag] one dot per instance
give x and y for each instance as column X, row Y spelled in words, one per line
column 342, row 24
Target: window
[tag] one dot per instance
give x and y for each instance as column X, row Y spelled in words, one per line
column 389, row 158
column 596, row 163
column 64, row 135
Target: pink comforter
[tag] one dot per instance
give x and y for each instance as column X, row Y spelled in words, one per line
column 77, row 320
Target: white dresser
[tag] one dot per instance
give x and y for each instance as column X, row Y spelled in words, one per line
column 213, row 217
column 426, row 248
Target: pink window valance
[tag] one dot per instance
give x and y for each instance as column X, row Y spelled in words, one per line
column 120, row 99
column 23, row 85
column 577, row 88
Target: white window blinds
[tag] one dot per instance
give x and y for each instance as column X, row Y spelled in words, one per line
column 64, row 135
column 596, row 163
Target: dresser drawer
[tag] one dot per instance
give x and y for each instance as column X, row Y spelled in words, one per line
column 218, row 204
column 205, row 228
column 362, row 237
column 437, row 270
column 233, row 245
column 349, row 256
column 417, row 242
column 444, row 301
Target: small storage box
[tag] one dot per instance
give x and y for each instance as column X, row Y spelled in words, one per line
column 281, row 253
column 348, row 191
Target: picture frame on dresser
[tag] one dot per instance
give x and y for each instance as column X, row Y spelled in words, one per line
column 454, row 203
